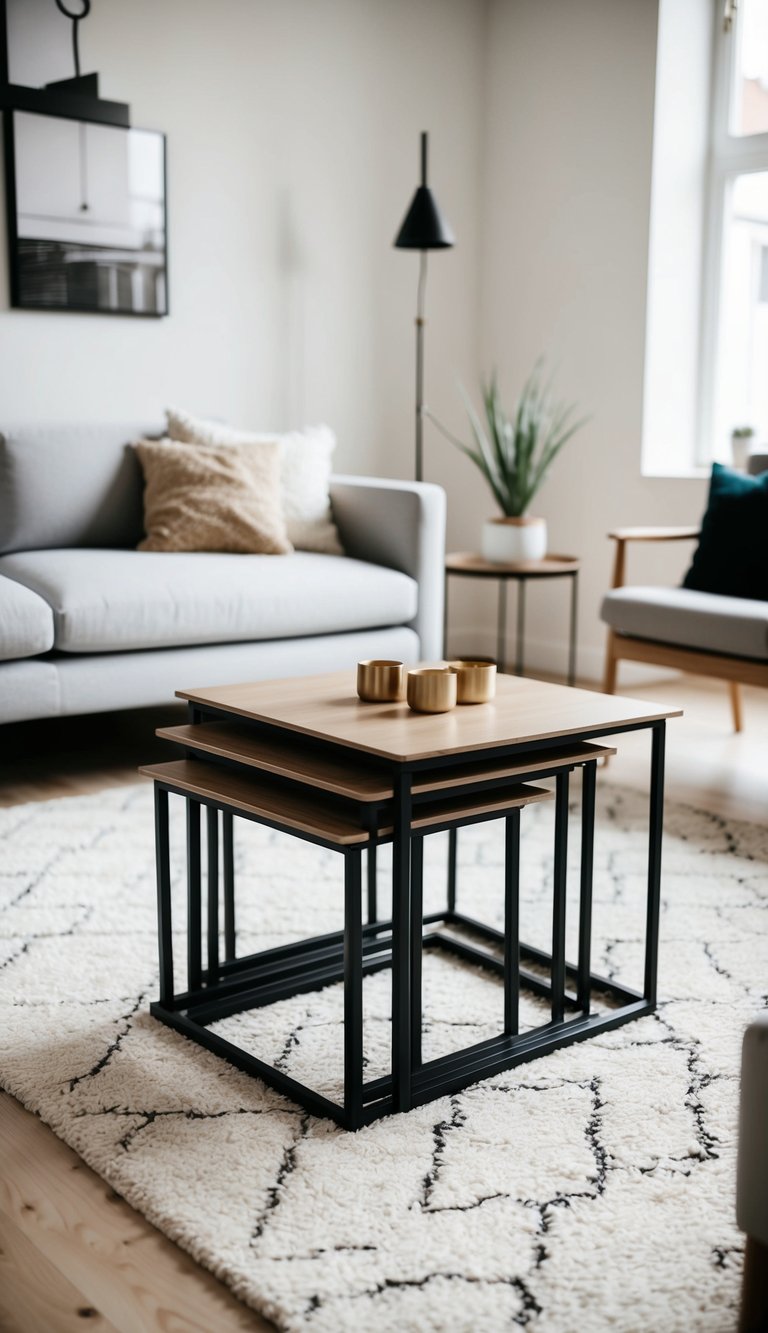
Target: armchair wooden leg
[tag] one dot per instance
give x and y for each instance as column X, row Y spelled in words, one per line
column 611, row 663
column 735, row 693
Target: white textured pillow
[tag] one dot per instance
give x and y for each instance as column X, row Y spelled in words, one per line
column 305, row 471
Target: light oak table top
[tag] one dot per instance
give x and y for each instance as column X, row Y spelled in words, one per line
column 524, row 710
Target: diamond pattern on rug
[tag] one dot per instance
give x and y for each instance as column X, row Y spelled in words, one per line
column 591, row 1187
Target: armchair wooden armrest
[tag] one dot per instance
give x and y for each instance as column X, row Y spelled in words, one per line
column 623, row 535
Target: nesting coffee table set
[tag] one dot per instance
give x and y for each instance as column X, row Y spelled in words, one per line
column 308, row 758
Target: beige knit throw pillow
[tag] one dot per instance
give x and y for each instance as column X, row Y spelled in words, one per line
column 212, row 499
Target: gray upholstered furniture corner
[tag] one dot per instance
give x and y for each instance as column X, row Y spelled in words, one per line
column 703, row 633
column 88, row 623
column 752, row 1175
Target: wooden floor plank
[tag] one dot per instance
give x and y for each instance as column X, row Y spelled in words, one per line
column 126, row 1270
column 34, row 1296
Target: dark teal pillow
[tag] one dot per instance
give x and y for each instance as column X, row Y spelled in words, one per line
column 732, row 555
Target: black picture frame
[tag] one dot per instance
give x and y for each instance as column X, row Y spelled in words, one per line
column 81, row 270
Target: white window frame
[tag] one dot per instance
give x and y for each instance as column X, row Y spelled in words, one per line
column 730, row 155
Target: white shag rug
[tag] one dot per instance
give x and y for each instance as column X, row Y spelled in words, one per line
column 592, row 1188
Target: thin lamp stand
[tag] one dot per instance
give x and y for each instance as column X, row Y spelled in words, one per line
column 420, row 366
column 424, row 228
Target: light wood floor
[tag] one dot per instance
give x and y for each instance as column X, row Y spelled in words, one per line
column 71, row 1252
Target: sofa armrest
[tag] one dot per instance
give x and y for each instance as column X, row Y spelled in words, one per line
column 400, row 524
column 623, row 535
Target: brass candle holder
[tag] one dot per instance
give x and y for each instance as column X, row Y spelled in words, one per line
column 476, row 681
column 380, row 681
column 431, row 689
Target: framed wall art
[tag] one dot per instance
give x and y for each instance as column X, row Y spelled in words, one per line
column 86, row 215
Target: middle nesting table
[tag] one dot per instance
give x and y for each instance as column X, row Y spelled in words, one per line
column 244, row 758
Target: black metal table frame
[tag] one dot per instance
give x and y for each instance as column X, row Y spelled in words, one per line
column 230, row 985
column 521, row 577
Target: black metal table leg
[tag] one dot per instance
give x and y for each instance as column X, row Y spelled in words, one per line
column 417, row 914
column 589, row 772
column 559, row 893
column 520, row 632
column 401, row 944
column 194, row 946
column 512, row 924
column 573, row 633
column 501, row 631
column 212, row 891
column 371, row 877
column 164, row 929
column 353, row 990
column 453, row 842
column 228, row 858
column 655, row 829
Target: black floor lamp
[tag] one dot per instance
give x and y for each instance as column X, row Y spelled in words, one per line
column 424, row 228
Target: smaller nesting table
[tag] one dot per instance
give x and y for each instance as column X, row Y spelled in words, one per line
column 465, row 564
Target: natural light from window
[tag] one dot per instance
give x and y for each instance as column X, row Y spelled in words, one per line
column 749, row 106
column 742, row 398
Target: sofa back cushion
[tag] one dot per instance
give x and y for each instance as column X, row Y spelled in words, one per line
column 71, row 486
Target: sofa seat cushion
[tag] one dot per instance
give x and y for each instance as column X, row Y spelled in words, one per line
column 26, row 622
column 109, row 601
column 734, row 626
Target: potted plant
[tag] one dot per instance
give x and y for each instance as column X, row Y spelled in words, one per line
column 741, row 443
column 514, row 454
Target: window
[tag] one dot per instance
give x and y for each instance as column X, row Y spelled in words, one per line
column 734, row 370
column 706, row 363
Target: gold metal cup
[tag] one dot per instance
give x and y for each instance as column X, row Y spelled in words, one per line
column 476, row 681
column 380, row 681
column 431, row 690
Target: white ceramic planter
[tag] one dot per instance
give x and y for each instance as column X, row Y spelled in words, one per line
column 510, row 541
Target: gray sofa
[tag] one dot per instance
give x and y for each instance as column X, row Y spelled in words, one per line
column 89, row 624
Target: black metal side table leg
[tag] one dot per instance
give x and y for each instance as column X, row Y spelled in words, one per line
column 453, row 844
column 512, row 925
column 401, row 944
column 164, row 921
column 655, row 829
column 194, row 924
column 371, row 870
column 212, row 892
column 559, row 896
column 353, row 990
column 228, row 859
column 583, row 990
column 417, row 915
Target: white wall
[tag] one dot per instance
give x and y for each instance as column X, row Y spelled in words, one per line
column 292, row 154
column 565, row 244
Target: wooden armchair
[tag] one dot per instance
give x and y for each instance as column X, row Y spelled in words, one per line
column 708, row 624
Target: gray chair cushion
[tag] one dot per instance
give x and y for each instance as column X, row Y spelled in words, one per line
column 26, row 622
column 716, row 624
column 105, row 601
column 70, row 486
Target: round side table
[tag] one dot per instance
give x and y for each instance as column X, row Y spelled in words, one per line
column 464, row 564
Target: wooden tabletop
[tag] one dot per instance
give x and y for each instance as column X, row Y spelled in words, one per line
column 468, row 562
column 523, row 711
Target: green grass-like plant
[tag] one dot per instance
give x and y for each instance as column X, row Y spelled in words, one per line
column 514, row 453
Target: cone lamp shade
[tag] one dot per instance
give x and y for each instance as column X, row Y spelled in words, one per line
column 423, row 228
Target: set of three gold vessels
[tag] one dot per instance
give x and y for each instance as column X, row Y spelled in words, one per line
column 426, row 689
